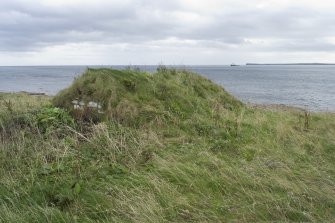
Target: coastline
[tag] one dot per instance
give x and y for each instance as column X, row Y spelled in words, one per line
column 314, row 85
column 26, row 93
column 269, row 107
column 276, row 107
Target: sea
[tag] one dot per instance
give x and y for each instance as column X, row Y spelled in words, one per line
column 311, row 87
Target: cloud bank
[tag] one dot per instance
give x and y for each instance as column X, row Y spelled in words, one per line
column 171, row 32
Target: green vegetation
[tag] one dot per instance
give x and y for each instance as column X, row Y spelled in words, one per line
column 168, row 147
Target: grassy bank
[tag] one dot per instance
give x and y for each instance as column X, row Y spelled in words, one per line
column 168, row 147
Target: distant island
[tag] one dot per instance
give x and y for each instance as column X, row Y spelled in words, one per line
column 290, row 64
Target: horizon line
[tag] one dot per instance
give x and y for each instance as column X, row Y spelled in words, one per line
column 179, row 65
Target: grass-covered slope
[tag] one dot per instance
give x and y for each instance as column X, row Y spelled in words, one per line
column 169, row 147
column 138, row 98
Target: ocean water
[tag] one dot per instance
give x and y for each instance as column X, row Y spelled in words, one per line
column 306, row 86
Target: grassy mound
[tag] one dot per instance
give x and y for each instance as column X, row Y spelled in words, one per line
column 136, row 98
column 168, row 147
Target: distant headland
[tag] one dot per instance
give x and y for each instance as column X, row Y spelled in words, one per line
column 290, row 64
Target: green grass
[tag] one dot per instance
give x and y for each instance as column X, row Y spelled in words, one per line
column 170, row 147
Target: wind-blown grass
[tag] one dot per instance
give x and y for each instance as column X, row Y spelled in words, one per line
column 170, row 147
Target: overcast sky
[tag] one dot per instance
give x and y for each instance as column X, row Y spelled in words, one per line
column 177, row 32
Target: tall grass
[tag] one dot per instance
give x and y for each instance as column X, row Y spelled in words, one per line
column 194, row 154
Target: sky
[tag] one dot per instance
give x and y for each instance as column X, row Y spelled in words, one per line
column 176, row 32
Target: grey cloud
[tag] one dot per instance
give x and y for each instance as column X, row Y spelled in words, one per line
column 25, row 28
column 302, row 45
column 30, row 27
